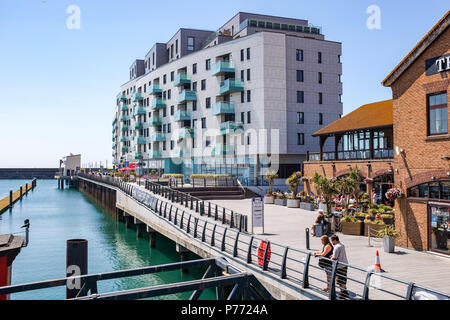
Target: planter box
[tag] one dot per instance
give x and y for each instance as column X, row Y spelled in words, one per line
column 280, row 202
column 269, row 199
column 389, row 244
column 352, row 228
column 293, row 203
column 323, row 206
column 306, row 206
column 374, row 228
column 388, row 221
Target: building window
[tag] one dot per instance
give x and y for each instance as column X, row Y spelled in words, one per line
column 190, row 44
column 242, row 55
column 249, row 118
column 243, row 117
column 320, row 97
column 194, row 68
column 176, row 46
column 164, row 128
column 164, row 79
column 208, row 64
column 300, row 139
column 164, row 112
column 172, row 110
column 169, row 128
column 208, row 103
column 203, row 85
column 300, row 97
column 194, row 123
column 194, row 105
column 171, row 51
column 172, row 76
column 242, row 75
column 248, row 53
column 207, row 141
column 164, row 145
column 320, row 118
column 242, row 97
column 300, row 118
column 299, row 75
column 320, row 77
column 169, row 94
column 194, row 86
column 319, row 57
column 249, row 96
column 437, row 114
column 299, row 55
column 203, row 123
column 248, row 74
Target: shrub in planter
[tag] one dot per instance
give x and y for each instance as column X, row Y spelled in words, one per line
column 388, row 234
column 269, row 198
column 351, row 226
column 375, row 227
column 292, row 202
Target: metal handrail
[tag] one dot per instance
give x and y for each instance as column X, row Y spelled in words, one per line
column 217, row 240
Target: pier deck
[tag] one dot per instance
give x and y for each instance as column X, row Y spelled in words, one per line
column 5, row 202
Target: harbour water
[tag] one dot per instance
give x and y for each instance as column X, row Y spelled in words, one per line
column 58, row 215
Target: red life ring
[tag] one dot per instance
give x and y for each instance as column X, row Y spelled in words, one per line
column 261, row 251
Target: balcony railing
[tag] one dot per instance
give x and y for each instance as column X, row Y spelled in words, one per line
column 124, row 128
column 155, row 121
column 155, row 154
column 124, row 118
column 187, row 95
column 181, row 79
column 155, row 89
column 123, row 97
column 124, row 149
column 222, row 150
column 123, row 139
column 223, row 107
column 182, row 115
column 158, row 136
column 124, row 107
column 138, row 126
column 222, row 67
column 352, row 155
column 279, row 26
column 185, row 133
column 141, row 140
column 230, row 127
column 137, row 96
column 158, row 103
column 231, row 85
column 140, row 111
column 138, row 155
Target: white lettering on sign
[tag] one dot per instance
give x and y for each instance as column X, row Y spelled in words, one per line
column 443, row 64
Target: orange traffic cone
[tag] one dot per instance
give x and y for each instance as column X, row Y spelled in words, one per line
column 377, row 263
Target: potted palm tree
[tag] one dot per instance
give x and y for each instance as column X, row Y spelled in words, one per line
column 388, row 234
column 293, row 181
column 270, row 178
column 325, row 188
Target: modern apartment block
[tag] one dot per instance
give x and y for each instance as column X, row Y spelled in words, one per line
column 236, row 100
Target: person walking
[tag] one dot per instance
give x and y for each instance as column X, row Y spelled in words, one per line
column 324, row 259
column 340, row 255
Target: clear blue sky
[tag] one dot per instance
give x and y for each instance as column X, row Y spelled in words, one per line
column 58, row 86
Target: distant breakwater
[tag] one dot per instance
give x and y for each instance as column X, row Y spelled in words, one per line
column 27, row 173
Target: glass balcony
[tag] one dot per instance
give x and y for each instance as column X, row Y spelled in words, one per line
column 141, row 140
column 222, row 67
column 124, row 118
column 181, row 79
column 182, row 115
column 185, row 133
column 222, row 150
column 158, row 103
column 230, row 127
column 158, row 136
column 137, row 96
column 140, row 111
column 114, row 128
column 223, row 107
column 231, row 85
column 155, row 121
column 124, row 128
column 187, row 95
column 123, row 97
column 155, row 154
column 155, row 89
column 138, row 155
column 123, row 139
column 124, row 149
column 124, row 107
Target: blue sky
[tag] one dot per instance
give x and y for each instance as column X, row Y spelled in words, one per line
column 58, row 86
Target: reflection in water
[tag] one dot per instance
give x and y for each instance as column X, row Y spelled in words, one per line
column 58, row 215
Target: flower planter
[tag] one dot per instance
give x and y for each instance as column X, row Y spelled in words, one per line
column 389, row 244
column 374, row 229
column 269, row 199
column 293, row 203
column 352, row 228
column 323, row 206
column 280, row 202
column 306, row 206
column 388, row 221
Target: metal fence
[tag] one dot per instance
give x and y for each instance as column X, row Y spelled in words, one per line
column 293, row 265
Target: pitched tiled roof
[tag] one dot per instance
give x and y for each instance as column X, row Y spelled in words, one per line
column 374, row 115
column 423, row 44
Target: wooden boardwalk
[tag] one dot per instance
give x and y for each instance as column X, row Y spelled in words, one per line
column 5, row 202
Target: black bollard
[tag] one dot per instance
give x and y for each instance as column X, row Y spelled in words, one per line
column 76, row 265
column 10, row 199
column 307, row 239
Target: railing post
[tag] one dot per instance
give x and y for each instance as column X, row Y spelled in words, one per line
column 195, row 227
column 192, row 202
column 175, row 218
column 156, row 206
column 213, row 236
column 188, row 228
column 365, row 295
column 216, row 214
column 306, row 271
column 181, row 220
column 235, row 248
column 160, row 208
column 249, row 251
column 409, row 292
column 232, row 219
column 332, row 293
column 196, row 205
column 209, row 209
column 223, row 216
column 170, row 213
column 165, row 210
column 266, row 250
column 202, row 208
column 283, row 264
column 204, row 231
column 224, row 237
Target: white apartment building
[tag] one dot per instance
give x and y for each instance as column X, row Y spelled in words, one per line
column 236, row 100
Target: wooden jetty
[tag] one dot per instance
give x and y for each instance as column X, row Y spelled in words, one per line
column 8, row 202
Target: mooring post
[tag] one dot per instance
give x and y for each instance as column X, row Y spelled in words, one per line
column 184, row 256
column 21, row 192
column 10, row 198
column 76, row 265
column 26, row 188
column 151, row 237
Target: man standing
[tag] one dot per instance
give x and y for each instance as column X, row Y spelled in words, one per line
column 341, row 272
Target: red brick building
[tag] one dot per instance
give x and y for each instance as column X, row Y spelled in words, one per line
column 417, row 148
